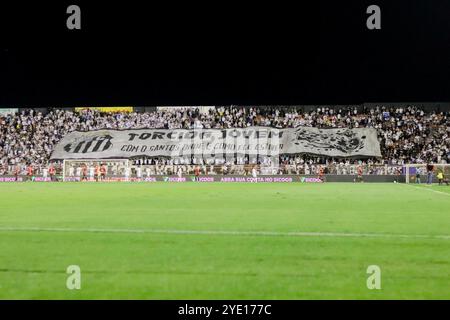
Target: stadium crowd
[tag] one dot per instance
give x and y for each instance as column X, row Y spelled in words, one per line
column 406, row 134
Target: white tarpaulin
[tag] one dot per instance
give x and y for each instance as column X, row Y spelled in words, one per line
column 103, row 144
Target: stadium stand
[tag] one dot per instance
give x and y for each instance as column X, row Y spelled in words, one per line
column 407, row 134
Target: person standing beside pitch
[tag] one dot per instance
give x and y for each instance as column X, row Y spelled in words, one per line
column 71, row 171
column 197, row 173
column 16, row 173
column 418, row 172
column 127, row 173
column 103, row 170
column 430, row 169
column 255, row 173
column 91, row 172
column 78, row 172
column 52, row 172
column 139, row 173
column 30, row 171
column 321, row 173
column 359, row 177
column 97, row 172
column 441, row 178
column 44, row 173
column 84, row 173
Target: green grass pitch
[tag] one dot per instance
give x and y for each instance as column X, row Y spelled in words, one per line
column 224, row 241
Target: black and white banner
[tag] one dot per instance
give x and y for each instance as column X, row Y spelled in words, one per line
column 262, row 141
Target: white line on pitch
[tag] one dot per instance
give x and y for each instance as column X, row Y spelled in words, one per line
column 427, row 188
column 227, row 232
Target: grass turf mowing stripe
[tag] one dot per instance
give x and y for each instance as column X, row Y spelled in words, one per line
column 227, row 232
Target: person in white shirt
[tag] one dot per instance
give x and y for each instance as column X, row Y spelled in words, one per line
column 254, row 174
column 71, row 171
column 91, row 172
column 139, row 173
column 78, row 172
column 127, row 174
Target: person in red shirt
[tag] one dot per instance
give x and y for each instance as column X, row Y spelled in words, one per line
column 52, row 172
column 16, row 172
column 97, row 172
column 359, row 178
column 197, row 173
column 103, row 172
column 84, row 173
column 321, row 173
column 30, row 172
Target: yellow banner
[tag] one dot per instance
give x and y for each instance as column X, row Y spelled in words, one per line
column 106, row 109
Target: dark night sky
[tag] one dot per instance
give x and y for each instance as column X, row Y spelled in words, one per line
column 225, row 54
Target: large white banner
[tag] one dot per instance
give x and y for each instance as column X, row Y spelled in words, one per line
column 103, row 144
